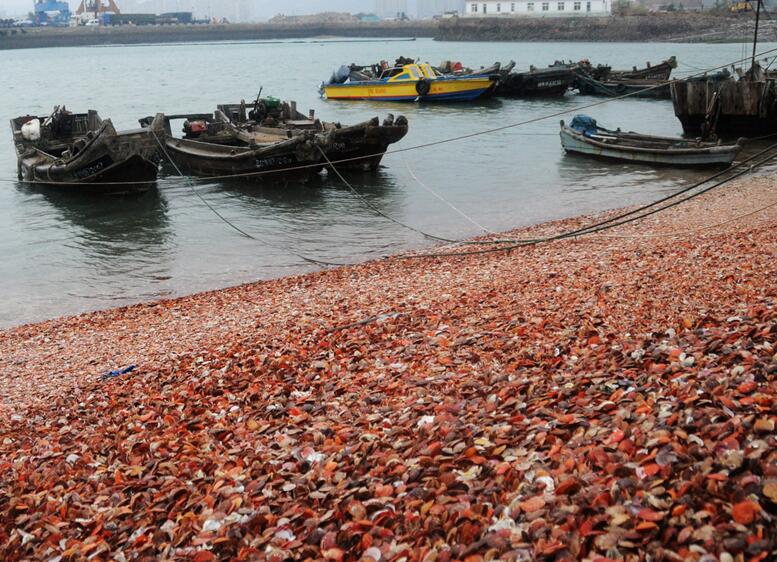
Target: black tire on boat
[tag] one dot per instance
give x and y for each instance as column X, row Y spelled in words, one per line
column 423, row 87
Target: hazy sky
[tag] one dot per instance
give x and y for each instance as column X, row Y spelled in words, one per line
column 262, row 8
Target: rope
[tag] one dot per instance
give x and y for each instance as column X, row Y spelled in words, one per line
column 376, row 209
column 678, row 233
column 597, row 227
column 447, row 140
column 441, row 198
column 226, row 220
column 642, row 208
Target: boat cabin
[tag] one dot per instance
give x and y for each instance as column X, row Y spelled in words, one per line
column 409, row 73
column 55, row 133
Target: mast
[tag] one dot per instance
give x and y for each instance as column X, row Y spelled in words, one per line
column 755, row 37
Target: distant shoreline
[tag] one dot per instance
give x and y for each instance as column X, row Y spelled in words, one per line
column 677, row 27
column 132, row 35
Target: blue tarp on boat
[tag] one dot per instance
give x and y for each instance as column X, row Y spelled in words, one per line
column 584, row 124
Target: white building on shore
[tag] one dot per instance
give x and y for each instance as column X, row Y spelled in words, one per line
column 539, row 8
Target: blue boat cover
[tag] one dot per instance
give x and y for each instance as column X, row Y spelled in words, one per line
column 584, row 124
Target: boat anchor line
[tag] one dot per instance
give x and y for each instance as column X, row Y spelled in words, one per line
column 232, row 224
column 619, row 220
column 378, row 211
column 441, row 198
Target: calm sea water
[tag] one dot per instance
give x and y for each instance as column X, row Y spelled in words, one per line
column 62, row 254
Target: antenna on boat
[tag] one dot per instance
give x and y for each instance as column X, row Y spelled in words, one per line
column 755, row 37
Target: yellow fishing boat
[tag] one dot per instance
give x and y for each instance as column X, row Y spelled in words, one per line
column 411, row 82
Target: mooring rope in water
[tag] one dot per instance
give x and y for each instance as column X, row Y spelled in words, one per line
column 613, row 222
column 229, row 222
column 441, row 198
column 441, row 141
column 376, row 209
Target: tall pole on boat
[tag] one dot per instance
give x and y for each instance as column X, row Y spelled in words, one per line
column 755, row 38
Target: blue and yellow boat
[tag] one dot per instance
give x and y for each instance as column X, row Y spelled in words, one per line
column 411, row 82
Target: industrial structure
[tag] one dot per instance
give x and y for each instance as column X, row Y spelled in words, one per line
column 51, row 13
column 97, row 7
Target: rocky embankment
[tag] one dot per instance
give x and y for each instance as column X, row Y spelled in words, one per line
column 611, row 397
column 129, row 35
column 655, row 27
column 646, row 28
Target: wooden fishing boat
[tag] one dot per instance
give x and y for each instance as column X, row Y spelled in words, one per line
column 729, row 106
column 584, row 136
column 553, row 81
column 411, row 82
column 81, row 152
column 586, row 85
column 259, row 157
column 536, row 82
column 360, row 147
column 660, row 71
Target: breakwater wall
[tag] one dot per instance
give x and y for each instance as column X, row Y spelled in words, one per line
column 134, row 35
column 681, row 27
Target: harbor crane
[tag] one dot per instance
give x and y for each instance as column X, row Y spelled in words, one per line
column 97, row 7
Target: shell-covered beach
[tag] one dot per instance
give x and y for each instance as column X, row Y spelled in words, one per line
column 608, row 397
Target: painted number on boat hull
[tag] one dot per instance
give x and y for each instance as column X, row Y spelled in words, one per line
column 550, row 83
column 274, row 162
column 93, row 168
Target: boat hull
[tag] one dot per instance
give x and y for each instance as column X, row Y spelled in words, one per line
column 362, row 147
column 649, row 89
column 441, row 90
column 744, row 108
column 538, row 84
column 135, row 174
column 101, row 160
column 575, row 142
column 293, row 160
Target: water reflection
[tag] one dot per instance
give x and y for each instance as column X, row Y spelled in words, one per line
column 584, row 173
column 108, row 230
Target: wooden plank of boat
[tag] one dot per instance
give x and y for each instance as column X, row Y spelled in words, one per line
column 295, row 158
column 634, row 147
column 360, row 146
column 660, row 71
column 654, row 89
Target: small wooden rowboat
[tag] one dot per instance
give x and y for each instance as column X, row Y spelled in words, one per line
column 584, row 136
